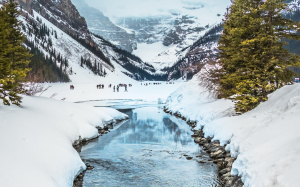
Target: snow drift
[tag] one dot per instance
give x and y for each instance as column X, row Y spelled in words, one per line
column 264, row 140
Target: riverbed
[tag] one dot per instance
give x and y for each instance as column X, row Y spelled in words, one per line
column 152, row 148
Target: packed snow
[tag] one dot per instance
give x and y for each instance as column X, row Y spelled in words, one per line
column 264, row 140
column 36, row 140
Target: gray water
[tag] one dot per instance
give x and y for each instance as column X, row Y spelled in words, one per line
column 149, row 149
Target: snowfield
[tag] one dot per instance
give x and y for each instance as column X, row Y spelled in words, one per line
column 265, row 140
column 36, row 140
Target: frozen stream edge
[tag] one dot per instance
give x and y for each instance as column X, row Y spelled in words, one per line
column 78, row 144
column 217, row 152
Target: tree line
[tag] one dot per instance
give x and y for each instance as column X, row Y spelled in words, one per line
column 95, row 66
column 252, row 59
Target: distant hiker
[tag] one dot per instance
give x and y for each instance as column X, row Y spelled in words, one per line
column 114, row 88
column 102, row 86
column 126, row 88
column 117, row 88
column 71, row 87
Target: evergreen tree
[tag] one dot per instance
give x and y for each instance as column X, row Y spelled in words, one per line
column 81, row 61
column 254, row 62
column 14, row 58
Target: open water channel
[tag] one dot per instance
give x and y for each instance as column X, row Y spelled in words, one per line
column 152, row 148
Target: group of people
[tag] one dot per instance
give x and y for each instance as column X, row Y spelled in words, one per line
column 100, row 86
column 118, row 87
column 72, row 87
column 155, row 83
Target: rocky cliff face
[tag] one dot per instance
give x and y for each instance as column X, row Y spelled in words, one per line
column 102, row 26
column 185, row 27
column 62, row 14
column 194, row 56
column 26, row 4
column 147, row 30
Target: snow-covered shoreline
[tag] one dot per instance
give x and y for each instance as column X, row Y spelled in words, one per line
column 264, row 140
column 36, row 140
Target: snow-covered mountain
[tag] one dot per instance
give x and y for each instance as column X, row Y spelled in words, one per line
column 195, row 55
column 101, row 25
column 65, row 35
column 161, row 29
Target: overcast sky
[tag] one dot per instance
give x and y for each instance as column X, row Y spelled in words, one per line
column 124, row 8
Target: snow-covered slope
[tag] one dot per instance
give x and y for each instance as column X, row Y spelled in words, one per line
column 264, row 140
column 36, row 140
column 69, row 48
column 101, row 25
column 74, row 48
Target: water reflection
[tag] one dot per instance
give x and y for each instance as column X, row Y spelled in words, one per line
column 148, row 150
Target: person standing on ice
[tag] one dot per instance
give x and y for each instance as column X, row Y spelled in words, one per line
column 126, row 88
column 117, row 88
column 114, row 88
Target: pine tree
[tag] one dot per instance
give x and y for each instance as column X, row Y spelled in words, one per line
column 254, row 62
column 95, row 66
column 14, row 58
column 81, row 61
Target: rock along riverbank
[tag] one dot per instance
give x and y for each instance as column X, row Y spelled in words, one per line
column 217, row 153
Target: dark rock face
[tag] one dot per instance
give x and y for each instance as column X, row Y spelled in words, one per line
column 62, row 14
column 101, row 25
column 182, row 27
column 25, row 4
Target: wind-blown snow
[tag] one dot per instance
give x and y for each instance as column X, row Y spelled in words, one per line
column 264, row 140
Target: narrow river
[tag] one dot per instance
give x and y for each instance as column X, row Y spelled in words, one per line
column 150, row 149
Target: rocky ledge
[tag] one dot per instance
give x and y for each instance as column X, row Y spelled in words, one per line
column 217, row 152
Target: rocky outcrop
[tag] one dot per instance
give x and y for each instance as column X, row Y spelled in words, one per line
column 64, row 15
column 102, row 26
column 26, row 5
column 182, row 27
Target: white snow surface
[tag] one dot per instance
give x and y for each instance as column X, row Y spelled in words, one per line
column 265, row 140
column 36, row 140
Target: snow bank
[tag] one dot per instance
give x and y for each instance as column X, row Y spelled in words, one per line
column 265, row 140
column 36, row 140
column 192, row 101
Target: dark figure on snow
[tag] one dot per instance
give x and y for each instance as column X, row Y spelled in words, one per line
column 114, row 88
column 102, row 86
column 118, row 88
column 126, row 88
